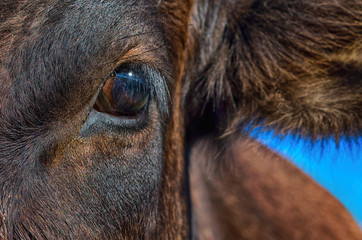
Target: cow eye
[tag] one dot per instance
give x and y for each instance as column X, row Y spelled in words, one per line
column 125, row 93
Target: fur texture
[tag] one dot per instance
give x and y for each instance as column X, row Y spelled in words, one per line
column 223, row 67
column 290, row 66
column 249, row 192
column 67, row 171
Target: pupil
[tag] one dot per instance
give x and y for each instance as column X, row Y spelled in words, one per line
column 125, row 93
column 129, row 93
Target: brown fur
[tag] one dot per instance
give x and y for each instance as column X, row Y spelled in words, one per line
column 249, row 192
column 226, row 67
column 288, row 65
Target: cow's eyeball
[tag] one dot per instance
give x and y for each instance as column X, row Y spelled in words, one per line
column 125, row 93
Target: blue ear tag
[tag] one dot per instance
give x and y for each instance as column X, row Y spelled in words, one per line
column 336, row 167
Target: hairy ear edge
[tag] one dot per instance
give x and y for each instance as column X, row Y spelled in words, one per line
column 246, row 191
column 286, row 65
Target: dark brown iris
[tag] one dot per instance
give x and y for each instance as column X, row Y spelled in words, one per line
column 124, row 94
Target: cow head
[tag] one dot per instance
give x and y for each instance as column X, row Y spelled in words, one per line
column 101, row 102
column 86, row 99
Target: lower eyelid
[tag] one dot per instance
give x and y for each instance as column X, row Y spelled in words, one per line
column 100, row 123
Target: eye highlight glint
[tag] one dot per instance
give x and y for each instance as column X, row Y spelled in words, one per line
column 125, row 93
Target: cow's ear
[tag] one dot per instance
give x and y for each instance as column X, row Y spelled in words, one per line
column 250, row 192
column 293, row 66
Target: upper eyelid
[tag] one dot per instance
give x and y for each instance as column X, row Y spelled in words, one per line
column 152, row 74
